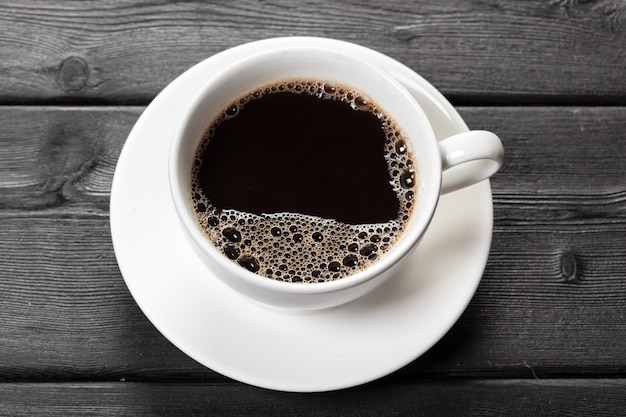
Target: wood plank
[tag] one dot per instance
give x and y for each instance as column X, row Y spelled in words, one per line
column 551, row 302
column 61, row 156
column 500, row 51
column 422, row 397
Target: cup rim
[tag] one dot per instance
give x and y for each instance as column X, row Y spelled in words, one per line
column 405, row 244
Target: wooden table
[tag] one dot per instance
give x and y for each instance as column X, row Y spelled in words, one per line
column 545, row 334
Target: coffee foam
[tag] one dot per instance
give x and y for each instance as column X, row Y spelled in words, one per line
column 296, row 247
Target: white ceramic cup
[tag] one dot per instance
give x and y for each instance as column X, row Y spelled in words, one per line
column 478, row 154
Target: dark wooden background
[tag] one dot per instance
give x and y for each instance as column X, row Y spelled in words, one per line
column 545, row 333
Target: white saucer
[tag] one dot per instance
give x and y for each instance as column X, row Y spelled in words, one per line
column 291, row 351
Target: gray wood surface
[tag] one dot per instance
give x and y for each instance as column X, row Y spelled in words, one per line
column 545, row 333
column 475, row 51
column 562, row 397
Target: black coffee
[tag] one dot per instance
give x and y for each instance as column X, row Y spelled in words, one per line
column 303, row 181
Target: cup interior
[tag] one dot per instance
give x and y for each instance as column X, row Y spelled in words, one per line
column 307, row 63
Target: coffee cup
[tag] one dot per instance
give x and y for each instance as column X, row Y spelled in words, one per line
column 323, row 256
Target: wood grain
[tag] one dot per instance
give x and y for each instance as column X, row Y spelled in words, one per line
column 51, row 154
column 551, row 302
column 563, row 397
column 490, row 52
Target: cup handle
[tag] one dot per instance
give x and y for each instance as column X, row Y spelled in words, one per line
column 468, row 158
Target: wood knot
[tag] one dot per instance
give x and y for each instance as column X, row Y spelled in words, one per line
column 73, row 74
column 405, row 33
column 569, row 268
